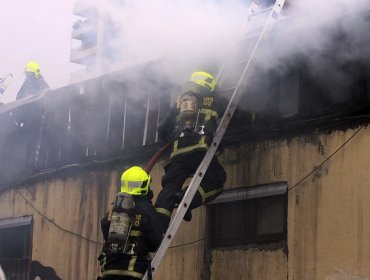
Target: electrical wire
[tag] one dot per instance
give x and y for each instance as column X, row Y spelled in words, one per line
column 185, row 244
column 82, row 237
column 85, row 238
column 329, row 157
column 54, row 223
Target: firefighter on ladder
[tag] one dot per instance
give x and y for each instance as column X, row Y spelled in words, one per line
column 131, row 230
column 191, row 125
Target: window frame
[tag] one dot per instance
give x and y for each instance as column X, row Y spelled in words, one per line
column 253, row 195
column 25, row 261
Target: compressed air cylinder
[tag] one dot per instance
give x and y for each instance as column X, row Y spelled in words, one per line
column 188, row 110
column 120, row 224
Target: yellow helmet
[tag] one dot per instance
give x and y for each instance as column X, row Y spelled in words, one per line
column 204, row 79
column 135, row 181
column 33, row 67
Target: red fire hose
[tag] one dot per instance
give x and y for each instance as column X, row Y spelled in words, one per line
column 156, row 157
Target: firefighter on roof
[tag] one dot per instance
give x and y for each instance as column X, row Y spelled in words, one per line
column 132, row 230
column 191, row 125
column 34, row 82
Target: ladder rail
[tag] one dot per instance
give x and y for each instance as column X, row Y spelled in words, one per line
column 224, row 122
column 4, row 82
column 249, row 15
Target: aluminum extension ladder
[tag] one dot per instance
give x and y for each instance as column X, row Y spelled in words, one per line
column 256, row 34
column 4, row 82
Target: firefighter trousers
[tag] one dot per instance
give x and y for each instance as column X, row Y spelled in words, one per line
column 177, row 171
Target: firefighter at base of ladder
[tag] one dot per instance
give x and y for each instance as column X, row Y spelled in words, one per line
column 34, row 82
column 191, row 126
column 131, row 230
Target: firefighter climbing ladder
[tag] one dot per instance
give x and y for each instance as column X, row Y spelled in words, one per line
column 271, row 15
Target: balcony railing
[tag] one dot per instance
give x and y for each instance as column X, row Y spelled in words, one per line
column 102, row 118
column 83, row 29
column 79, row 55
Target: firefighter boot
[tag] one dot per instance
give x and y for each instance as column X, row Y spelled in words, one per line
column 178, row 196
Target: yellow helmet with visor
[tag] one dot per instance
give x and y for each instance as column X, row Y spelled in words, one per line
column 135, row 181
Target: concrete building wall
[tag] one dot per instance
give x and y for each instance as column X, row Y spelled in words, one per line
column 328, row 214
column 73, row 205
column 249, row 264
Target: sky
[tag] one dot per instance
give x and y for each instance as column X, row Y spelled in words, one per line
column 38, row 30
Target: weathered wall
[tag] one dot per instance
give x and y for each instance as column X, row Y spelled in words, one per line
column 328, row 215
column 248, row 264
column 184, row 258
column 328, row 212
column 75, row 204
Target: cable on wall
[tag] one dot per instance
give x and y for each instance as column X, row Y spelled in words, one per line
column 329, row 157
column 54, row 223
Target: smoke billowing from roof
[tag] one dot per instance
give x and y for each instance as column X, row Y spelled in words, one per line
column 314, row 28
column 328, row 36
column 188, row 33
column 193, row 34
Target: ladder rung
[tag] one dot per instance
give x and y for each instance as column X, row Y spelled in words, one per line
column 251, row 36
column 238, row 62
column 260, row 12
column 228, row 90
column 253, row 32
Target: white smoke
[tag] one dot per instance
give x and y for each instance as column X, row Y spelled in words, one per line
column 188, row 33
column 327, row 35
column 193, row 33
column 310, row 28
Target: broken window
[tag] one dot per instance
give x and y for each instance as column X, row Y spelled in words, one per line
column 15, row 247
column 252, row 215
